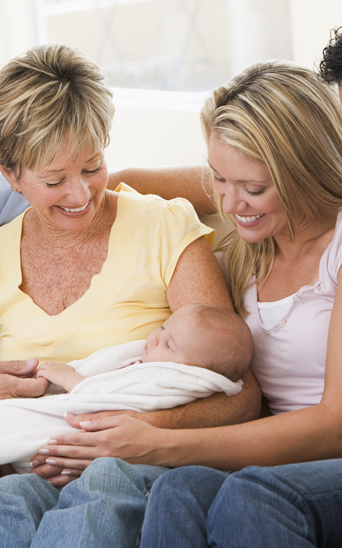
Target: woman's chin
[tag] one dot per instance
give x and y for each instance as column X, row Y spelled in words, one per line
column 73, row 221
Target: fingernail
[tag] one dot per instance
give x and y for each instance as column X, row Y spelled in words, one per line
column 32, row 361
column 35, row 463
column 44, row 451
column 69, row 415
column 52, row 442
column 84, row 423
column 50, row 461
column 48, row 481
column 65, row 473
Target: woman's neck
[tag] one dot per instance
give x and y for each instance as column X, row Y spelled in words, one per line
column 306, row 237
column 53, row 238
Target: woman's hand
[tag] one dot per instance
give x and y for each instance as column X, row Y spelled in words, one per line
column 105, row 436
column 56, row 475
column 17, row 380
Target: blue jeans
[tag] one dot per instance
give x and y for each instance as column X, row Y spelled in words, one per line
column 104, row 507
column 290, row 506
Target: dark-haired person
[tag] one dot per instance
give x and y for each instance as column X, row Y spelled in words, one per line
column 331, row 65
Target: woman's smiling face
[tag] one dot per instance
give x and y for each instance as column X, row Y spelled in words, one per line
column 247, row 191
column 66, row 194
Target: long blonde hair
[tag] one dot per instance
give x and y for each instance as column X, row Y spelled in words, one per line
column 286, row 117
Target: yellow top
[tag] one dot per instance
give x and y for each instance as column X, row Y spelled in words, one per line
column 124, row 302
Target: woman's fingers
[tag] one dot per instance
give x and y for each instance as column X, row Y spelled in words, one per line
column 37, row 460
column 46, row 471
column 16, row 387
column 80, row 446
column 122, row 437
column 69, row 466
column 57, row 471
column 18, row 367
column 106, row 420
column 88, row 450
column 63, row 480
column 75, row 420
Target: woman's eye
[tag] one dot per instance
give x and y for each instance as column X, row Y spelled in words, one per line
column 52, row 185
column 219, row 179
column 255, row 193
column 91, row 171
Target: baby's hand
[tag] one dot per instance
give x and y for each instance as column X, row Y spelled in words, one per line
column 55, row 372
column 60, row 373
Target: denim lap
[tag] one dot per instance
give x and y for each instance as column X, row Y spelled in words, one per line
column 104, row 507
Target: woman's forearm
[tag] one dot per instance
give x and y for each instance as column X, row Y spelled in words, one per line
column 190, row 182
column 308, row 434
column 217, row 410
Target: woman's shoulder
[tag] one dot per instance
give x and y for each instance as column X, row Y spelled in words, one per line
column 156, row 219
column 331, row 260
column 337, row 233
column 151, row 203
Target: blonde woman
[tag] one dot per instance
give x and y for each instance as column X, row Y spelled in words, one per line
column 81, row 269
column 275, row 149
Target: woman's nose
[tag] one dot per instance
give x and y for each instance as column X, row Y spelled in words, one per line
column 232, row 201
column 79, row 191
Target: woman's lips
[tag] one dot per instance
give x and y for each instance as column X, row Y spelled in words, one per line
column 75, row 210
column 249, row 220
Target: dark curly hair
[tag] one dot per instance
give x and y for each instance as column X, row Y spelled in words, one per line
column 331, row 65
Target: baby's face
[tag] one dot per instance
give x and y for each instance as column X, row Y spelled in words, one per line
column 179, row 340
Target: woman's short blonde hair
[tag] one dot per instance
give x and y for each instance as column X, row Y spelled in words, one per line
column 286, row 117
column 50, row 92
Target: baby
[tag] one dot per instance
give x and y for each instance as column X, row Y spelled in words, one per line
column 200, row 335
column 143, row 376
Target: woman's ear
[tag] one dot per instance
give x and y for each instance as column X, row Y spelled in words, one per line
column 10, row 177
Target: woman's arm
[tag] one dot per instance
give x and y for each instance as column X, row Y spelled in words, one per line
column 189, row 284
column 312, row 433
column 205, row 283
column 190, row 182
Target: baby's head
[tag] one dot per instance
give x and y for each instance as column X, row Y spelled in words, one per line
column 203, row 335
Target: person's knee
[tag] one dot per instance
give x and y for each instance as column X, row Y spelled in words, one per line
column 189, row 478
column 189, row 484
column 256, row 483
column 109, row 473
column 21, row 485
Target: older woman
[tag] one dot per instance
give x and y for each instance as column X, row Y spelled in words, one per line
column 85, row 268
column 275, row 148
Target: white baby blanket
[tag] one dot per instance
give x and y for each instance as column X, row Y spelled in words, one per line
column 111, row 384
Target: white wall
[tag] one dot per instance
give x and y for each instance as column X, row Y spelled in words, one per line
column 17, row 28
column 156, row 128
column 156, row 136
column 311, row 24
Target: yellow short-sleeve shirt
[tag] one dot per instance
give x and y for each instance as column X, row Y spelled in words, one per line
column 124, row 302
